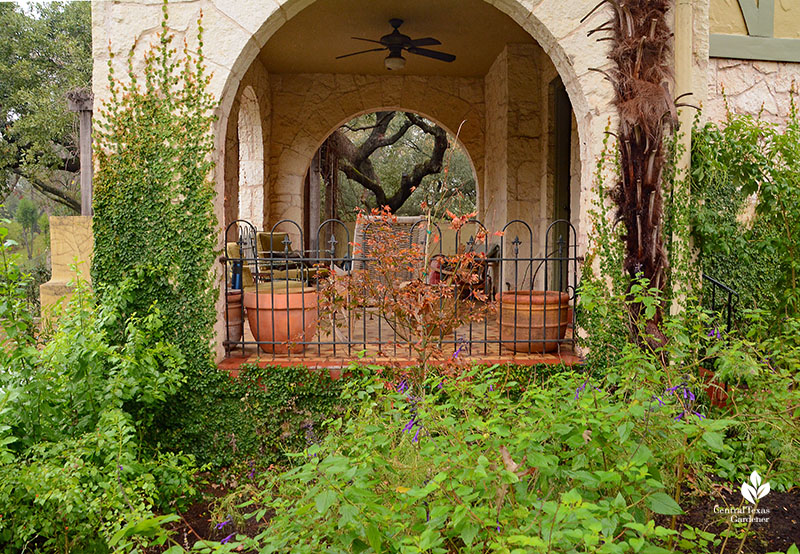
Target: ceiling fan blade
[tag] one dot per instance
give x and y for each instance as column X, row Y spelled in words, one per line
column 361, row 52
column 428, row 41
column 367, row 40
column 432, row 54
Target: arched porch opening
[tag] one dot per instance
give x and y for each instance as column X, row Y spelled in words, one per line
column 527, row 112
column 330, row 194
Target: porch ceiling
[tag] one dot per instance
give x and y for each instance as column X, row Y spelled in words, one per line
column 473, row 30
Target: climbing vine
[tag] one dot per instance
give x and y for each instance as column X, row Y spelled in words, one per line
column 746, row 172
column 153, row 198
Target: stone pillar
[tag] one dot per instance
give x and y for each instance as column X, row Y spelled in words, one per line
column 494, row 193
column 71, row 242
column 516, row 182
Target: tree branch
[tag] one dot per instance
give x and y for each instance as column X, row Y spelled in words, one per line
column 54, row 193
column 358, row 167
column 355, row 168
column 432, row 165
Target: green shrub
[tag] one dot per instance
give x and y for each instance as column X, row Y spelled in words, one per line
column 73, row 468
column 480, row 463
column 256, row 417
column 742, row 160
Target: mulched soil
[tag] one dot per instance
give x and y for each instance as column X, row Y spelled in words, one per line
column 776, row 535
column 197, row 522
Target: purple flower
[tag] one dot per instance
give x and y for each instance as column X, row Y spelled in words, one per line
column 491, row 387
column 457, row 352
column 683, row 390
column 697, row 414
column 579, row 390
column 402, row 386
column 409, row 425
column 222, row 524
column 660, row 402
column 714, row 333
column 416, row 435
column 226, row 539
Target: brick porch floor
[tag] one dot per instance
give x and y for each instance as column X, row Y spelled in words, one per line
column 376, row 330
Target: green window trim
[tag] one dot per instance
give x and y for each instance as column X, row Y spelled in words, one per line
column 759, row 18
column 759, row 43
column 743, row 47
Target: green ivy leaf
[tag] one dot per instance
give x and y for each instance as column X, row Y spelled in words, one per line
column 714, row 440
column 468, row 533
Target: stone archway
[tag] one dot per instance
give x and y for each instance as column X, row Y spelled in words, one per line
column 300, row 128
column 555, row 26
column 326, row 100
column 238, row 31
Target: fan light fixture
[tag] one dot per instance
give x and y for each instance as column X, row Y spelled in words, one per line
column 396, row 43
column 394, row 61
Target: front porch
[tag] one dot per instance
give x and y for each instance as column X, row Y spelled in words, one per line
column 277, row 310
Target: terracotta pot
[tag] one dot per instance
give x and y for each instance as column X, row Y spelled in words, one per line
column 284, row 315
column 234, row 315
column 717, row 392
column 533, row 321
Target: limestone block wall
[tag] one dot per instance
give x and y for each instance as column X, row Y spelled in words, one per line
column 494, row 205
column 750, row 86
column 520, row 180
column 307, row 108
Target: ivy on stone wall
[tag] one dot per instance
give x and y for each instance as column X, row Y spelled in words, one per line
column 153, row 200
column 746, row 172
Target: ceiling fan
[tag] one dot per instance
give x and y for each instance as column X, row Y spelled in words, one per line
column 395, row 42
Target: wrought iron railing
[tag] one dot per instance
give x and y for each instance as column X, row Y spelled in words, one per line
column 720, row 299
column 277, row 290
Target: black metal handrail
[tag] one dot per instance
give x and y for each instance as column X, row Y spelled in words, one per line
column 510, row 261
column 730, row 301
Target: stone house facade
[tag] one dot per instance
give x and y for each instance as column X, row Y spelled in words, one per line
column 518, row 64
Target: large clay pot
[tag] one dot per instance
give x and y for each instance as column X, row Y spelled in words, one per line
column 717, row 392
column 284, row 313
column 533, row 321
column 234, row 315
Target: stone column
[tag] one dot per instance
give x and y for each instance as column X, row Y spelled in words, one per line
column 71, row 242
